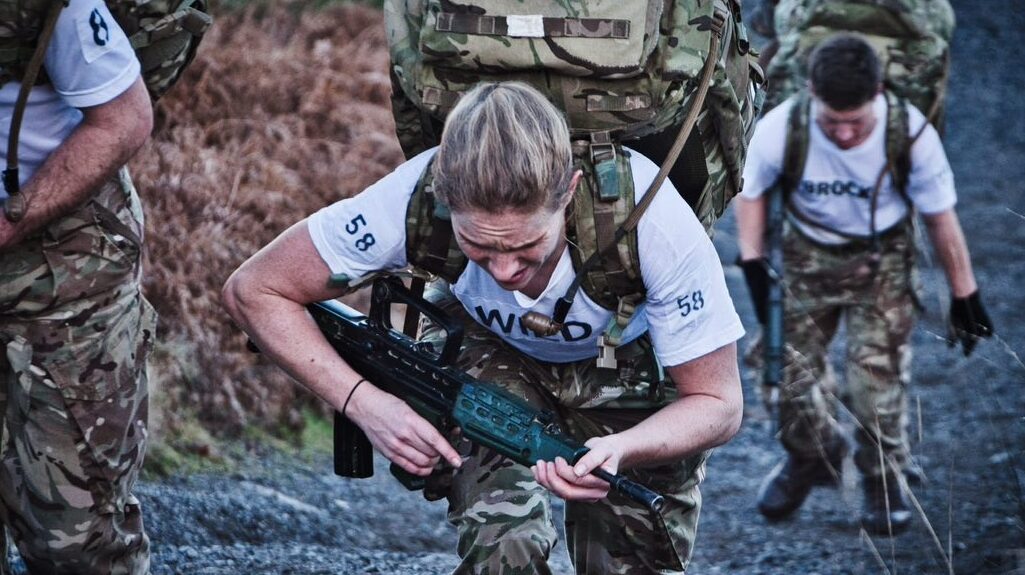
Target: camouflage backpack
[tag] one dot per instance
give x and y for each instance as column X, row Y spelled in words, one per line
column 164, row 34
column 911, row 37
column 676, row 77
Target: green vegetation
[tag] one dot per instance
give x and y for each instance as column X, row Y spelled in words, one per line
column 192, row 449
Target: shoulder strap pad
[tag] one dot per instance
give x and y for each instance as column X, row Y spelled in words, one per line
column 591, row 227
column 795, row 152
column 898, row 141
column 430, row 243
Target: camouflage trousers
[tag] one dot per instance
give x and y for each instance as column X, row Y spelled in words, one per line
column 73, row 390
column 825, row 285
column 505, row 518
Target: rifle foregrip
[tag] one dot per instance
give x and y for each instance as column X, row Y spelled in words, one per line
column 632, row 489
column 354, row 455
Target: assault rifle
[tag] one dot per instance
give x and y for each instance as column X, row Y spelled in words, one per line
column 772, row 342
column 427, row 380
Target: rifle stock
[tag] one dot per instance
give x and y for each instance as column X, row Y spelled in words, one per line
column 427, row 380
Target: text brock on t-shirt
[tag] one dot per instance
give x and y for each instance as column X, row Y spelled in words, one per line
column 836, row 188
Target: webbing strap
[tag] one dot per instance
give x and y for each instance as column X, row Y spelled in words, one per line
column 438, row 98
column 697, row 103
column 186, row 19
column 898, row 160
column 447, row 99
column 603, row 158
column 607, row 103
column 530, row 26
column 613, row 334
column 795, row 151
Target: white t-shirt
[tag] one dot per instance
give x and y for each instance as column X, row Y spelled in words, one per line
column 836, row 186
column 89, row 62
column 688, row 310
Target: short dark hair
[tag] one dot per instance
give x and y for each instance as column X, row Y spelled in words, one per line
column 845, row 72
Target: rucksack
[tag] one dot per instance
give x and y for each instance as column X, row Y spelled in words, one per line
column 911, row 37
column 164, row 34
column 621, row 72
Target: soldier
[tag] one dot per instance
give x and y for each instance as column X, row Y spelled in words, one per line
column 74, row 325
column 505, row 170
column 848, row 255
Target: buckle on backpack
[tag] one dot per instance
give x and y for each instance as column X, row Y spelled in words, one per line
column 603, row 158
column 602, row 148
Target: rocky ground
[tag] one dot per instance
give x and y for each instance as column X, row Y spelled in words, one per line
column 280, row 514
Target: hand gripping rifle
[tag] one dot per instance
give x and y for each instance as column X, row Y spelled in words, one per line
column 773, row 341
column 443, row 395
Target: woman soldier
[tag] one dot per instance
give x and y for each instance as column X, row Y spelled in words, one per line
column 505, row 171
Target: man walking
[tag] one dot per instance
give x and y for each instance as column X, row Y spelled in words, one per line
column 848, row 254
column 74, row 326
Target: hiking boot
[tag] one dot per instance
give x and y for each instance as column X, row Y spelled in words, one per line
column 786, row 488
column 914, row 473
column 886, row 508
column 831, row 474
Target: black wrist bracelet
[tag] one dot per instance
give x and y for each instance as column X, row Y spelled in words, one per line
column 352, row 391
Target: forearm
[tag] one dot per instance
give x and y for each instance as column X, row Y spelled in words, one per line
column 685, row 427
column 952, row 250
column 750, row 227
column 285, row 334
column 107, row 138
column 707, row 414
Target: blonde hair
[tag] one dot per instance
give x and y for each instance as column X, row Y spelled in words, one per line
column 504, row 147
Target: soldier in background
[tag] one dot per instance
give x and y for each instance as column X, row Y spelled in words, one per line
column 74, row 326
column 848, row 255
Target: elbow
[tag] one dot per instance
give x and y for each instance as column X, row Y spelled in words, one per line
column 141, row 128
column 236, row 295
column 139, row 125
column 733, row 413
column 734, row 419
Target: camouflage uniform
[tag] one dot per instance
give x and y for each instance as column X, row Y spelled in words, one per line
column 504, row 517
column 73, row 393
column 825, row 284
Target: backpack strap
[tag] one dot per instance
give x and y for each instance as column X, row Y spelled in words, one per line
column 795, row 150
column 898, row 157
column 898, row 142
column 591, row 227
column 430, row 243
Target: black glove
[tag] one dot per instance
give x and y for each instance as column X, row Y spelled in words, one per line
column 968, row 322
column 756, row 274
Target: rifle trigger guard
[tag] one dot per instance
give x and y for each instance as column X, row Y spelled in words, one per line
column 391, row 289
